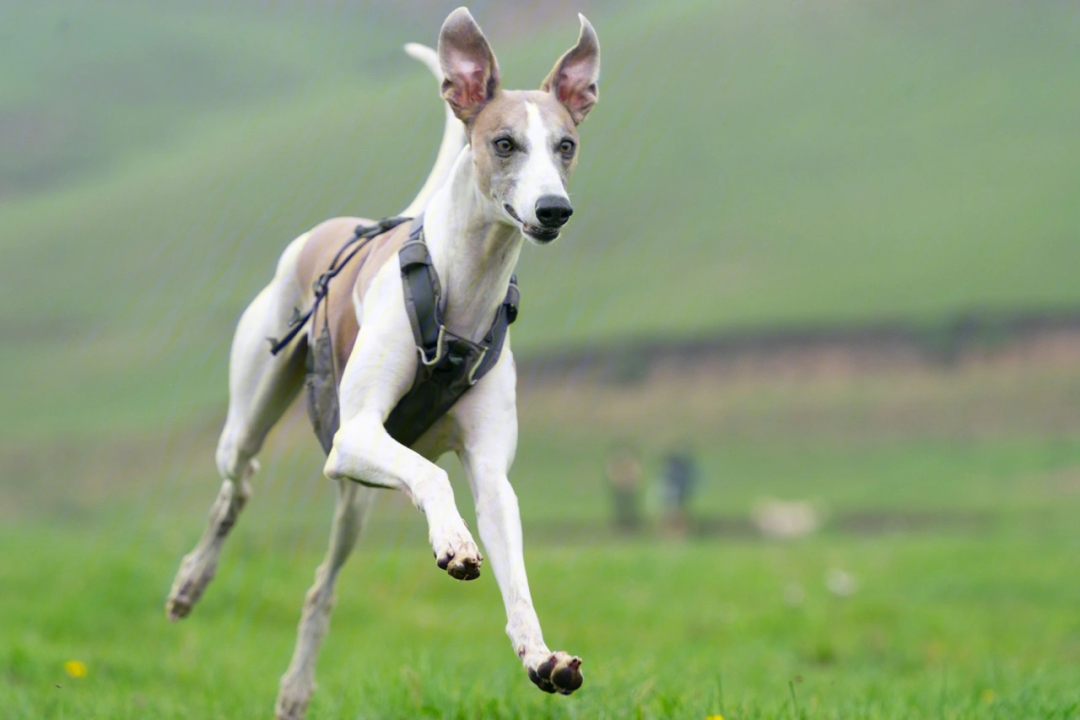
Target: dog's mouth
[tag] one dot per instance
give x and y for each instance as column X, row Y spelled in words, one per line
column 540, row 234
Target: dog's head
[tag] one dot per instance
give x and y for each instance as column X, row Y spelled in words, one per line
column 524, row 142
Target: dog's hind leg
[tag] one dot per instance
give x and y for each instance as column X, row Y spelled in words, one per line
column 261, row 387
column 298, row 682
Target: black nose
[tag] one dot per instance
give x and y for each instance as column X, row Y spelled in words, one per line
column 553, row 211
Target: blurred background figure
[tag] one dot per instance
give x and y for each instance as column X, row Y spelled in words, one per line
column 678, row 479
column 622, row 469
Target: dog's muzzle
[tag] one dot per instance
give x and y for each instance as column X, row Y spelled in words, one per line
column 553, row 211
column 540, row 233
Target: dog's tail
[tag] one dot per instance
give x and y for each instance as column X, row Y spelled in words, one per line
column 453, row 136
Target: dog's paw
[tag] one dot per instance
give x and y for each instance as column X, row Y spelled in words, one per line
column 557, row 673
column 457, row 554
column 290, row 708
column 188, row 587
column 294, row 695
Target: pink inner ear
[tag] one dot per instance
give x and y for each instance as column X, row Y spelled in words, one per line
column 565, row 91
column 470, row 79
column 573, row 81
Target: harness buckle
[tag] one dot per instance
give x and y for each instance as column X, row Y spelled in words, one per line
column 440, row 347
column 321, row 284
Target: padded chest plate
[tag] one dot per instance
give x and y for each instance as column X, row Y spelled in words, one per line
column 449, row 365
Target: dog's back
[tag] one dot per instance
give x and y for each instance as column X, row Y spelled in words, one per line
column 338, row 311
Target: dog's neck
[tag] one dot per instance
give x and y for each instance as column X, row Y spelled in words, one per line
column 473, row 250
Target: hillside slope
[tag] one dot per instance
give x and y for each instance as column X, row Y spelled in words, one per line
column 747, row 165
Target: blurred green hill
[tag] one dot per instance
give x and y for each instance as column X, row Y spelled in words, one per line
column 749, row 164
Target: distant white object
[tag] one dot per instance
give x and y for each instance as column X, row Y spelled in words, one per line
column 786, row 520
column 840, row 583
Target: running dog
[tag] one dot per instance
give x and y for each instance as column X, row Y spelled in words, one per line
column 500, row 179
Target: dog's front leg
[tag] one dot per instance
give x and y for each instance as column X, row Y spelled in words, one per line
column 500, row 530
column 487, row 418
column 379, row 372
column 363, row 451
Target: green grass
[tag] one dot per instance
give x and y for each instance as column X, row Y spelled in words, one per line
column 941, row 626
column 969, row 614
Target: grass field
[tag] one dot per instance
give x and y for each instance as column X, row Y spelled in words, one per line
column 750, row 164
column 970, row 613
column 942, row 626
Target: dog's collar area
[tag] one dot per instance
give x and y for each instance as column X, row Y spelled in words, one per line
column 449, row 365
column 424, row 303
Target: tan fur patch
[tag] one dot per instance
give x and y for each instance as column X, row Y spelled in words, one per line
column 316, row 257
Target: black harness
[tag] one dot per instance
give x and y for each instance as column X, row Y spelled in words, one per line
column 448, row 365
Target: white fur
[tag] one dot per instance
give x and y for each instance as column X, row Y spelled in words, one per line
column 453, row 135
column 540, row 176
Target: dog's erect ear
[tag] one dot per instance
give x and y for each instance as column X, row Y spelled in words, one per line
column 573, row 79
column 469, row 66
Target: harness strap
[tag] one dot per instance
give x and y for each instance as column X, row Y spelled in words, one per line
column 361, row 237
column 423, row 293
column 423, row 303
column 449, row 365
column 504, row 316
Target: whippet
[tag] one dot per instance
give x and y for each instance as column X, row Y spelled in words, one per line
column 500, row 178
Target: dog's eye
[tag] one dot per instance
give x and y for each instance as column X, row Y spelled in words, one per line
column 567, row 147
column 504, row 146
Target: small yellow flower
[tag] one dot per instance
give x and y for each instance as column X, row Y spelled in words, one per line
column 715, row 717
column 75, row 668
column 987, row 696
